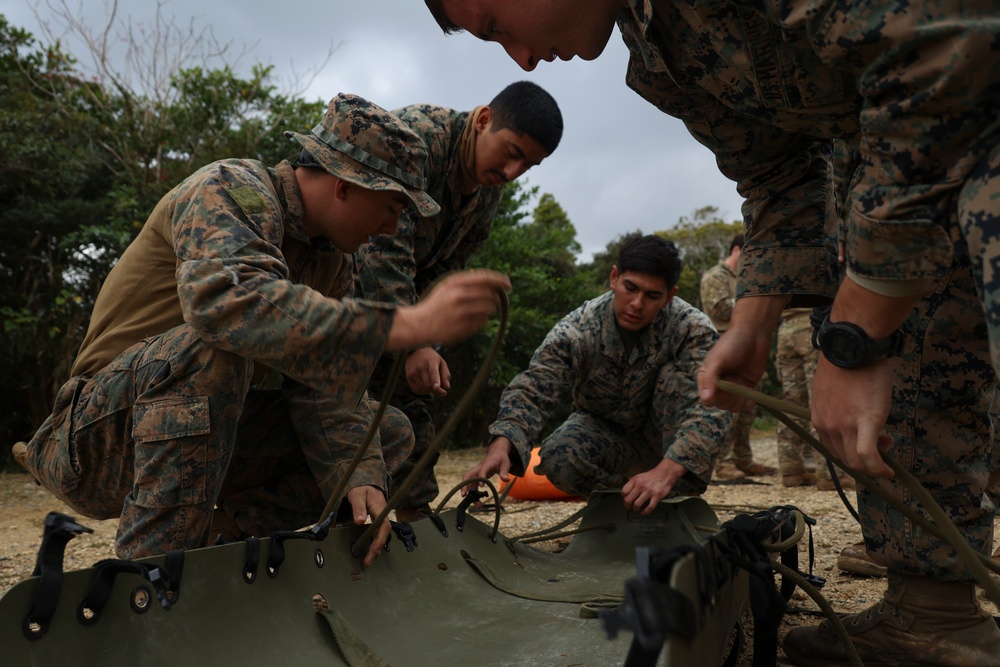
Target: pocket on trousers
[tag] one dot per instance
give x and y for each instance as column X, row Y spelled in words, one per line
column 52, row 455
column 169, row 459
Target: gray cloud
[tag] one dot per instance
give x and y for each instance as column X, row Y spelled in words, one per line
column 621, row 165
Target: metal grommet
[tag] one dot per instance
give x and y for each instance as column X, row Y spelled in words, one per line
column 140, row 599
column 86, row 615
column 318, row 558
column 32, row 629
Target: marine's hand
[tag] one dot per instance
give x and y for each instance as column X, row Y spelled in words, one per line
column 427, row 372
column 741, row 353
column 849, row 410
column 850, row 406
column 496, row 461
column 369, row 501
column 457, row 307
column 644, row 492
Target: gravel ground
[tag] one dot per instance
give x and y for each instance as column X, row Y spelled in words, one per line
column 23, row 507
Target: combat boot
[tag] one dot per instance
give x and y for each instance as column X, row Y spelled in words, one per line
column 800, row 479
column 855, row 559
column 920, row 622
column 826, row 484
column 754, row 469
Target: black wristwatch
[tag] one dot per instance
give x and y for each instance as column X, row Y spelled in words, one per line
column 846, row 345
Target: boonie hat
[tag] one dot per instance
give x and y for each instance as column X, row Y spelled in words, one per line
column 364, row 144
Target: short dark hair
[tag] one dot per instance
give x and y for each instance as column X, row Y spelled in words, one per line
column 652, row 255
column 437, row 11
column 737, row 242
column 526, row 108
column 306, row 159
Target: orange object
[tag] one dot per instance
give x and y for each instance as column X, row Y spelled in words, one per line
column 534, row 486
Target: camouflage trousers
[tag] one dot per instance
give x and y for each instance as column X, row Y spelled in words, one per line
column 172, row 428
column 943, row 396
column 796, row 359
column 416, row 407
column 738, row 450
column 587, row 453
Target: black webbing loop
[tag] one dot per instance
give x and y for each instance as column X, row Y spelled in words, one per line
column 652, row 609
column 438, row 523
column 317, row 532
column 89, row 610
column 59, row 530
column 175, row 568
column 404, row 532
column 252, row 561
column 473, row 496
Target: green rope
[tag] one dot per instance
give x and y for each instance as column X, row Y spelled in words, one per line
column 338, row 492
column 463, row 406
column 939, row 524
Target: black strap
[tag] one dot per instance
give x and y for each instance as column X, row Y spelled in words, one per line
column 252, row 561
column 88, row 612
column 439, row 523
column 652, row 610
column 316, row 533
column 835, row 476
column 59, row 530
column 473, row 496
column 404, row 532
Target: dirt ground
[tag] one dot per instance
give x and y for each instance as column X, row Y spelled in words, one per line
column 23, row 507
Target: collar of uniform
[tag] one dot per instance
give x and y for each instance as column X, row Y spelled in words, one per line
column 466, row 155
column 636, row 23
column 614, row 344
column 291, row 202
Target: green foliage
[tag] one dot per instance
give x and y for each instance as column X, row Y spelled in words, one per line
column 539, row 255
column 703, row 240
column 83, row 161
column 51, row 183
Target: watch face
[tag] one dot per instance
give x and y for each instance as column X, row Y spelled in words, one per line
column 843, row 345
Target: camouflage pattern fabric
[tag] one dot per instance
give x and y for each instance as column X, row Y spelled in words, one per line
column 769, row 88
column 397, row 269
column 645, row 402
column 795, row 359
column 150, row 435
column 738, row 450
column 416, row 408
column 718, row 296
column 941, row 432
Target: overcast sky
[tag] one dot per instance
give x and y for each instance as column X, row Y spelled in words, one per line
column 622, row 165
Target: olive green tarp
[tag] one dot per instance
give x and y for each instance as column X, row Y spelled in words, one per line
column 460, row 599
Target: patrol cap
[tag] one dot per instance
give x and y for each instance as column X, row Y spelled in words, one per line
column 364, row 144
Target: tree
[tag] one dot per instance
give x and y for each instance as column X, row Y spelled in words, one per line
column 703, row 240
column 51, row 184
column 540, row 257
column 83, row 160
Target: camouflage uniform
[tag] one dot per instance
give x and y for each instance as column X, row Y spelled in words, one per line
column 795, row 360
column 768, row 88
column 397, row 269
column 161, row 420
column 718, row 295
column 630, row 410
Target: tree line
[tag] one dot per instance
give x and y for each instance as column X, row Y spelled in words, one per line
column 84, row 159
